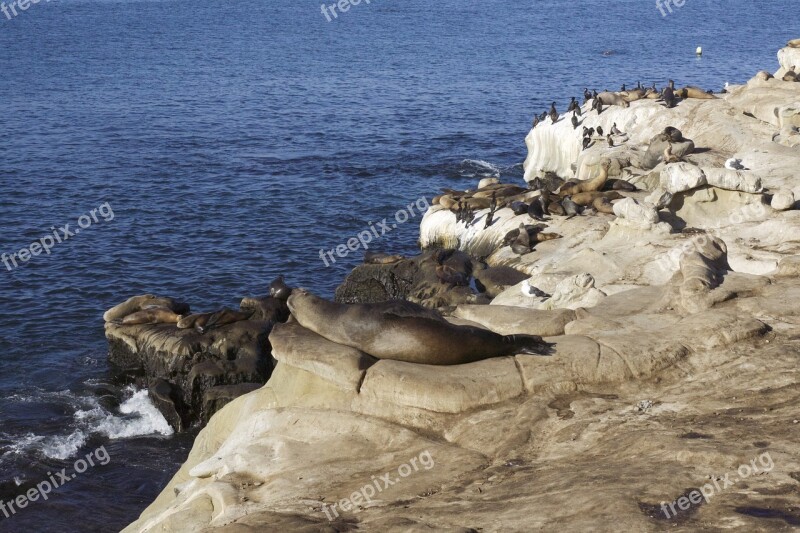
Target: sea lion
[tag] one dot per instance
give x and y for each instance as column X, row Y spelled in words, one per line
column 197, row 320
column 763, row 75
column 138, row 303
column 450, row 276
column 447, row 201
column 279, row 289
column 794, row 43
column 585, row 199
column 404, row 331
column 555, row 208
column 594, row 184
column 609, row 98
column 494, row 280
column 570, row 207
column 377, row 258
column 790, row 75
column 151, row 315
column 694, row 92
column 519, row 208
column 265, row 308
column 602, row 204
column 536, row 209
column 225, row 316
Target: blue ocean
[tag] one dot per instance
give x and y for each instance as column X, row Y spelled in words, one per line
column 197, row 149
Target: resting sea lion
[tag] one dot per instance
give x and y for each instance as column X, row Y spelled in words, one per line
column 197, row 320
column 266, row 308
column 594, row 184
column 603, row 205
column 377, row 258
column 225, row 316
column 794, row 43
column 405, row 332
column 586, row 199
column 137, row 303
column 152, row 315
column 694, row 92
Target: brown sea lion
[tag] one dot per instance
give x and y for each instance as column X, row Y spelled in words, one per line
column 197, row 320
column 594, row 184
column 794, row 43
column 694, row 92
column 225, row 316
column 138, row 303
column 405, row 332
column 603, row 205
column 377, row 258
column 585, row 199
column 494, row 280
column 265, row 308
column 447, row 201
column 152, row 315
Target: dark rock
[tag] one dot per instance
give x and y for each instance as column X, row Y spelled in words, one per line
column 181, row 365
column 414, row 279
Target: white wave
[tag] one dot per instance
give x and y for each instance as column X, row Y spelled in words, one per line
column 62, row 448
column 143, row 419
column 471, row 168
column 137, row 417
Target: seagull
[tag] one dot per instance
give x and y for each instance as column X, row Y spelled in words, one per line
column 529, row 290
column 735, row 164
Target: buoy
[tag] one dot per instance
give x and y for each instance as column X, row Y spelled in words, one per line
column 699, row 51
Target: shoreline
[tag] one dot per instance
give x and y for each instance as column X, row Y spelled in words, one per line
column 627, row 324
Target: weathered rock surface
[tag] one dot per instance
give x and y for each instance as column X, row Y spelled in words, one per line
column 191, row 375
column 677, row 372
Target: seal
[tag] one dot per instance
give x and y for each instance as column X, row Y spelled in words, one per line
column 223, row 317
column 138, row 303
column 594, row 184
column 377, row 258
column 197, row 321
column 794, row 43
column 151, row 315
column 404, row 331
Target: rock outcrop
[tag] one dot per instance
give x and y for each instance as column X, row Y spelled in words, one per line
column 672, row 385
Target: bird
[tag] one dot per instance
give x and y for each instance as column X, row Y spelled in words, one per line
column 529, row 290
column 735, row 164
column 572, row 105
column 600, row 130
column 598, row 105
column 589, row 132
column 669, row 97
column 586, row 142
column 578, row 111
column 586, row 95
column 623, row 89
column 574, row 121
column 610, row 141
column 535, row 121
column 615, row 129
column 278, row 289
column 492, row 210
column 553, row 113
column 594, row 93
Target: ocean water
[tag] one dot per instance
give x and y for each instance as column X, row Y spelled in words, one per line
column 223, row 143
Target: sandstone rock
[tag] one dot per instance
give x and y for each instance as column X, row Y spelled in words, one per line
column 679, row 177
column 782, row 200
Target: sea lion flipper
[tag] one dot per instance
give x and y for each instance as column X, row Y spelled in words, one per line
column 529, row 345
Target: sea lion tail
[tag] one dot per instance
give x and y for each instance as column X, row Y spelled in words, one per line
column 530, row 345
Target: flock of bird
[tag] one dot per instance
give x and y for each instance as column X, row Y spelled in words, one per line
column 669, row 96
